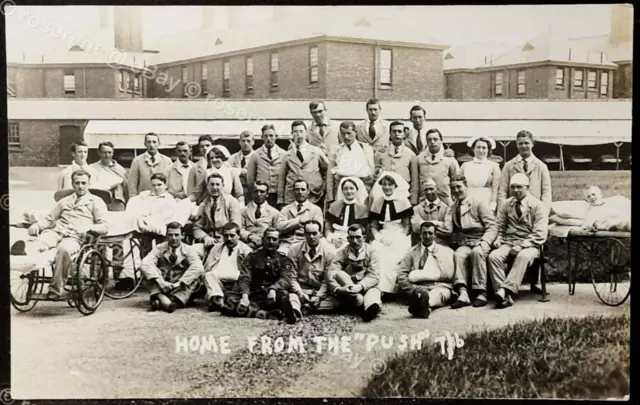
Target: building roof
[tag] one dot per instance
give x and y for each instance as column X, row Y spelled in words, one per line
column 615, row 53
column 553, row 49
column 327, row 22
column 257, row 110
column 473, row 54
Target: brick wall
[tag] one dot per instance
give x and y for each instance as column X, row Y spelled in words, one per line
column 350, row 70
column 29, row 83
column 623, row 81
column 536, row 83
column 40, row 141
column 100, row 83
column 417, row 74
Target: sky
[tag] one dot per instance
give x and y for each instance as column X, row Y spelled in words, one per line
column 451, row 25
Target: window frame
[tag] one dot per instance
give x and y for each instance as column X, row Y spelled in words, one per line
column 121, row 74
column 273, row 77
column 185, row 79
column 595, row 80
column 385, row 69
column 226, row 78
column 137, row 84
column 578, row 83
column 68, row 73
column 496, row 84
column 604, row 84
column 523, row 84
column 11, row 134
column 204, row 79
column 248, row 78
column 313, row 66
column 562, row 78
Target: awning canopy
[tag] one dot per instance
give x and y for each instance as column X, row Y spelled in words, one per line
column 129, row 134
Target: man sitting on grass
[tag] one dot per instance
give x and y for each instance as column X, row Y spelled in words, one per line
column 262, row 289
column 354, row 275
column 65, row 228
column 173, row 270
column 523, row 226
column 426, row 273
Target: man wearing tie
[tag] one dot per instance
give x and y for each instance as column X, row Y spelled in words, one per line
column 323, row 132
column 373, row 131
column 433, row 210
column 179, row 171
column 264, row 164
column 199, row 170
column 474, row 230
column 293, row 217
column 302, row 161
column 416, row 141
column 434, row 163
column 258, row 216
column 400, row 159
column 523, row 226
column 240, row 159
column 425, row 275
column 147, row 164
column 216, row 210
column 527, row 163
column 352, row 159
column 173, row 270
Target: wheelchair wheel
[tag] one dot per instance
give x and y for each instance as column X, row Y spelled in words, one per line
column 611, row 272
column 136, row 250
column 22, row 287
column 91, row 279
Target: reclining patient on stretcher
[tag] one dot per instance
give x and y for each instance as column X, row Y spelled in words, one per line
column 596, row 213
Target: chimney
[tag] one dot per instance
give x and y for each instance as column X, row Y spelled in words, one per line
column 208, row 16
column 106, row 16
column 621, row 24
column 128, row 28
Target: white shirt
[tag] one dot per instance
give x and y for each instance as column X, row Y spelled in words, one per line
column 227, row 268
column 184, row 172
column 353, row 161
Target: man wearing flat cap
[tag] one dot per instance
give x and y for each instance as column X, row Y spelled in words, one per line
column 522, row 228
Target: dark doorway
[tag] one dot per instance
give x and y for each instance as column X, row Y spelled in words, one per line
column 68, row 135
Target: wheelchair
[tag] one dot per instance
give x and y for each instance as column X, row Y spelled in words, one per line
column 95, row 269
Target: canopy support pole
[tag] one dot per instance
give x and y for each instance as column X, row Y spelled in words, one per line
column 561, row 159
column 504, row 149
column 618, row 145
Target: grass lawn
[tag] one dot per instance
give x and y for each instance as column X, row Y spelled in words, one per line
column 578, row 358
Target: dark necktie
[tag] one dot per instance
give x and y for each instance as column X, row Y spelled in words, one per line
column 299, row 155
column 173, row 257
column 243, row 162
column 230, row 250
column 525, row 166
column 312, row 252
column 519, row 209
column 186, row 166
column 321, row 130
column 349, row 146
column 459, row 215
column 423, row 258
column 372, row 131
column 433, row 156
column 269, row 154
column 431, row 205
column 153, row 159
column 419, row 142
column 397, row 150
column 299, row 207
column 258, row 213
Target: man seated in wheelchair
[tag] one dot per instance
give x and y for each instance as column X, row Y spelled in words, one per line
column 173, row 270
column 523, row 226
column 65, row 228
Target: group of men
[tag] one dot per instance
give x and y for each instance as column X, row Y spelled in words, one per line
column 269, row 257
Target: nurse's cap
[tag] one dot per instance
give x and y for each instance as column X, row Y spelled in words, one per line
column 520, row 179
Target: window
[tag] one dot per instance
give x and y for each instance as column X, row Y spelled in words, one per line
column 226, row 77
column 204, row 80
column 591, row 79
column 121, row 74
column 274, row 69
column 249, row 76
column 560, row 77
column 136, row 84
column 69, row 82
column 498, row 84
column 14, row 134
column 521, row 81
column 185, row 81
column 385, row 67
column 313, row 64
column 604, row 83
column 11, row 83
column 578, row 78
column 127, row 81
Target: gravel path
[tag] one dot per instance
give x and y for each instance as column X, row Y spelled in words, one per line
column 122, row 351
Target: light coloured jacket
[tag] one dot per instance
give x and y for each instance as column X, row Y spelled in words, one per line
column 411, row 261
column 478, row 222
column 312, row 170
column 252, row 226
column 529, row 231
column 175, row 185
column 227, row 210
column 539, row 180
column 312, row 274
column 441, row 170
column 364, row 269
column 187, row 268
column 213, row 257
column 141, row 171
column 333, row 180
column 261, row 168
column 440, row 214
column 381, row 140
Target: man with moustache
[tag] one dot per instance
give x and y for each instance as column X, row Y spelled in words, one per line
column 293, row 216
column 216, row 210
column 108, row 171
column 373, row 131
column 434, row 163
column 240, row 159
column 323, row 132
column 264, row 164
column 179, row 172
column 199, row 171
column 147, row 164
column 257, row 216
column 433, row 210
